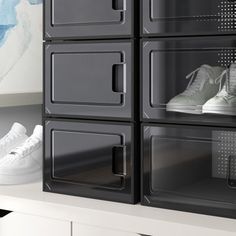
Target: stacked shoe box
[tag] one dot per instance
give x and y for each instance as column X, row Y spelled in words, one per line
column 90, row 86
column 188, row 105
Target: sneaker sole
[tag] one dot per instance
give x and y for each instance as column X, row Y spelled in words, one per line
column 20, row 179
column 185, row 109
column 217, row 110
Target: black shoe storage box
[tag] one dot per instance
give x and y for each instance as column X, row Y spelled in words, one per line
column 90, row 92
column 110, row 71
column 188, row 160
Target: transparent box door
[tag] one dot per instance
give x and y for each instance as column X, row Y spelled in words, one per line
column 195, row 166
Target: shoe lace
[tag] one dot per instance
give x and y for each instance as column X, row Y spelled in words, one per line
column 8, row 138
column 224, row 85
column 220, row 79
column 27, row 147
column 198, row 78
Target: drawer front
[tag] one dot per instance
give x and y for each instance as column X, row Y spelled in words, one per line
column 88, row 18
column 89, row 230
column 27, row 225
column 189, row 168
column 89, row 79
column 182, row 79
column 89, row 159
column 190, row 17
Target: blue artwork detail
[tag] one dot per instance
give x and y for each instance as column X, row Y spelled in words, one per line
column 3, row 30
column 8, row 15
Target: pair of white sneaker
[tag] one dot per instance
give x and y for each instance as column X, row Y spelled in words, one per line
column 21, row 156
column 210, row 90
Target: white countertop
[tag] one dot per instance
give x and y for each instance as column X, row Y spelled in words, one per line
column 30, row 199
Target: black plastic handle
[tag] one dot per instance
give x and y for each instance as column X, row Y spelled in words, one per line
column 118, row 5
column 119, row 160
column 230, row 181
column 119, row 78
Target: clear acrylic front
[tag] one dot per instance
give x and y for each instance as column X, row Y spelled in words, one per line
column 189, row 80
column 191, row 164
column 188, row 17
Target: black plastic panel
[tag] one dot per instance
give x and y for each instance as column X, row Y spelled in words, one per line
column 88, row 18
column 91, row 159
column 189, row 168
column 188, row 17
column 4, row 213
column 89, row 79
column 168, row 71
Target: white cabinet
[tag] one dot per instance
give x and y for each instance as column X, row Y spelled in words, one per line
column 17, row 224
column 188, row 230
column 86, row 230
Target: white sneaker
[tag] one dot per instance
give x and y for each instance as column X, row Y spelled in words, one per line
column 202, row 86
column 224, row 102
column 24, row 163
column 15, row 137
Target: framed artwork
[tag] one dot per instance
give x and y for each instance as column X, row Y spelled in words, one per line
column 20, row 47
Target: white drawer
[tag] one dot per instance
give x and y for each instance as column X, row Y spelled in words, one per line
column 86, row 230
column 17, row 224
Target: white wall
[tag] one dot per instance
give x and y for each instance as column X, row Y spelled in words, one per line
column 29, row 116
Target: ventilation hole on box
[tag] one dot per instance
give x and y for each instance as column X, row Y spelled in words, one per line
column 226, row 16
column 226, row 57
column 224, row 145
